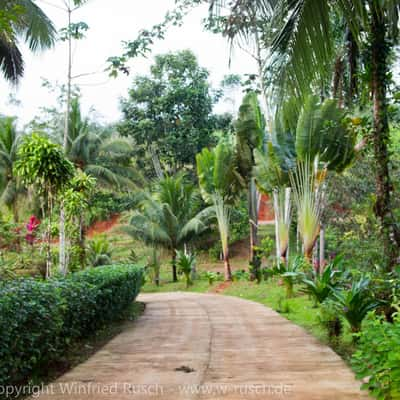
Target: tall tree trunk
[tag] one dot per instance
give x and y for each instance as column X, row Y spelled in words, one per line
column 255, row 260
column 322, row 248
column 82, row 253
column 227, row 267
column 48, row 234
column 63, row 249
column 352, row 54
column 380, row 49
column 173, row 262
column 338, row 80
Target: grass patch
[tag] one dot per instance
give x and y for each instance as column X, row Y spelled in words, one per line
column 299, row 309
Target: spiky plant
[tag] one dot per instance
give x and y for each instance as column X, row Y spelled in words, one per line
column 223, row 215
column 308, row 200
column 185, row 263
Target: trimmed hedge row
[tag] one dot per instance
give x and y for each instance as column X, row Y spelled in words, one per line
column 39, row 319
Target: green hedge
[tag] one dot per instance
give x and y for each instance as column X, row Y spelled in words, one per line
column 377, row 358
column 39, row 319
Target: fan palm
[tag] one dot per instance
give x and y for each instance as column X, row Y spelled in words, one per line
column 22, row 19
column 303, row 56
column 303, row 53
column 321, row 143
column 9, row 186
column 168, row 217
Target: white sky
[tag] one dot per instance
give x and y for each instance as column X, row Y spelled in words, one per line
column 110, row 22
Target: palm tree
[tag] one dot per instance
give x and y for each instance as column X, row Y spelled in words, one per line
column 168, row 217
column 321, row 142
column 9, row 185
column 22, row 19
column 219, row 182
column 100, row 153
column 250, row 136
column 304, row 54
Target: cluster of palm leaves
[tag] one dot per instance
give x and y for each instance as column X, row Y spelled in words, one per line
column 168, row 217
column 97, row 151
column 22, row 19
column 297, row 162
column 340, row 49
column 101, row 153
column 9, row 185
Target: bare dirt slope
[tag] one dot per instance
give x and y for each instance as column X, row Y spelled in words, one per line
column 208, row 346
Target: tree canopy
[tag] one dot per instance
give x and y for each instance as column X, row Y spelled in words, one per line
column 170, row 111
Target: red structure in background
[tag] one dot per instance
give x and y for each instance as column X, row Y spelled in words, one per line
column 266, row 210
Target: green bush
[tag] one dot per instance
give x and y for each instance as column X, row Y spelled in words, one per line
column 39, row 319
column 320, row 284
column 377, row 358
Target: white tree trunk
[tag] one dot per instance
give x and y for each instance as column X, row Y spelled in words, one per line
column 322, row 248
column 63, row 249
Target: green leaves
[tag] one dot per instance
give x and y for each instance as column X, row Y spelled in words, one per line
column 23, row 19
column 43, row 163
column 74, row 31
column 377, row 359
column 249, row 129
column 38, row 320
column 321, row 132
column 169, row 112
column 355, row 303
column 217, row 173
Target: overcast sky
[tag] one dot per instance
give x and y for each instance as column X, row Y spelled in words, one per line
column 110, row 22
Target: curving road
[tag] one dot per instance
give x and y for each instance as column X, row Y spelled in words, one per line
column 203, row 346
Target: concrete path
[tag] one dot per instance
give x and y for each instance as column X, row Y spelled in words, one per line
column 204, row 346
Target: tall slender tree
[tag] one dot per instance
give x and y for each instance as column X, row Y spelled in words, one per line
column 10, row 188
column 219, row 181
column 250, row 136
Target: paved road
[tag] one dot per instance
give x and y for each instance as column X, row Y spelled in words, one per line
column 204, row 346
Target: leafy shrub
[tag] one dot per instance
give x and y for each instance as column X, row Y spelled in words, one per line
column 240, row 275
column 328, row 317
column 319, row 285
column 215, row 251
column 266, row 247
column 104, row 204
column 378, row 357
column 212, row 277
column 268, row 273
column 185, row 264
column 38, row 319
column 355, row 303
column 290, row 273
column 99, row 251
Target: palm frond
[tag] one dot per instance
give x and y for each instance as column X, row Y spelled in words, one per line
column 34, row 24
